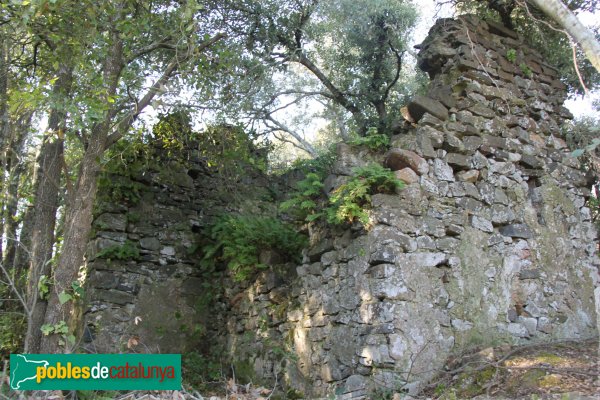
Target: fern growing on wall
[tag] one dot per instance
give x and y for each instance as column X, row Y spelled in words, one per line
column 237, row 240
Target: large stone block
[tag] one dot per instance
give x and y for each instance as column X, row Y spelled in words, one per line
column 397, row 159
column 421, row 105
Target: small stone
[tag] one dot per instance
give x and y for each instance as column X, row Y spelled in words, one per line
column 468, row 176
column 544, row 325
column 429, row 259
column 385, row 254
column 557, row 143
column 425, row 141
column 168, row 251
column 517, row 230
column 111, row 222
column 518, row 330
column 495, row 239
column 531, row 161
column 481, row 110
column 454, row 230
column 398, row 159
column 530, row 274
column 150, row 243
column 482, row 224
column 425, row 242
column 512, row 315
column 407, row 175
column 458, row 161
column 443, row 171
column 472, row 143
column 453, row 143
column 382, row 271
column 479, row 161
column 461, row 325
column 502, row 215
column 448, row 244
column 529, row 323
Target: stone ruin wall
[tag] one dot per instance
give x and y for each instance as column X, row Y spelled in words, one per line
column 490, row 242
column 163, row 285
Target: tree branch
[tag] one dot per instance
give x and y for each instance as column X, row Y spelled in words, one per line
column 307, row 146
column 337, row 95
column 162, row 44
column 130, row 118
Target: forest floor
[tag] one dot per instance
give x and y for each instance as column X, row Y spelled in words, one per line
column 562, row 370
column 567, row 370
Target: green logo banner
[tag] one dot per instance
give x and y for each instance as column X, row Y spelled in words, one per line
column 95, row 371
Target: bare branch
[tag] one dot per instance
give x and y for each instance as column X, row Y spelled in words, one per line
column 280, row 126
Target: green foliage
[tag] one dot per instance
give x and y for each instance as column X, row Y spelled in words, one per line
column 43, row 287
column 526, row 70
column 13, row 326
column 304, row 202
column 133, row 217
column 230, row 150
column 61, row 329
column 511, row 55
column 198, row 369
column 351, row 200
column 174, row 130
column 320, row 165
column 238, row 240
column 372, row 140
column 124, row 252
column 125, row 162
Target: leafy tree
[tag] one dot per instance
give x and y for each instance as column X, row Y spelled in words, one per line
column 348, row 55
column 99, row 66
column 561, row 14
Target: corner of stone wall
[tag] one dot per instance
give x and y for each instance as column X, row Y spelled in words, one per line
column 490, row 242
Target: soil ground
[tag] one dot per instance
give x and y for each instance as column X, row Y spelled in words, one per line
column 562, row 370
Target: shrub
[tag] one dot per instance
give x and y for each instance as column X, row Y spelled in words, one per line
column 238, row 240
column 351, row 200
column 372, row 140
column 303, row 202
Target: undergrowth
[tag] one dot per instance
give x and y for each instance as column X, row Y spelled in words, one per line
column 372, row 140
column 350, row 202
column 237, row 240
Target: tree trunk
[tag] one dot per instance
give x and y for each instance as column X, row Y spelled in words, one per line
column 337, row 96
column 556, row 10
column 47, row 188
column 16, row 167
column 79, row 210
column 4, row 128
column 78, row 225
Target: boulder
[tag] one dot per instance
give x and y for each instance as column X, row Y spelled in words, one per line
column 398, row 159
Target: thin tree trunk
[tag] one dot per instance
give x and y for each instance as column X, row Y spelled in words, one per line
column 556, row 10
column 78, row 224
column 79, row 210
column 16, row 168
column 47, row 188
column 4, row 126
